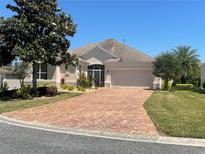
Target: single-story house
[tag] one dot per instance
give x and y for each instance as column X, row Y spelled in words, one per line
column 202, row 72
column 108, row 63
column 111, row 63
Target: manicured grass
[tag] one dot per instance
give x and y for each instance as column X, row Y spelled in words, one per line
column 179, row 113
column 12, row 105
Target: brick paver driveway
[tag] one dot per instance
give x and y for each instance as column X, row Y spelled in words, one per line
column 107, row 109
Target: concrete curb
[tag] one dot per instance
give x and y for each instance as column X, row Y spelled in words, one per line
column 103, row 134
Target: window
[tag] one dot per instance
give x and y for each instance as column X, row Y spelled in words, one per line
column 42, row 71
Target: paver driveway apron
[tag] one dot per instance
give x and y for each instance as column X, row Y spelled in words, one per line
column 107, row 109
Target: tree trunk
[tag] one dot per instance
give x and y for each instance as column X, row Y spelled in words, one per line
column 22, row 83
column 166, row 84
column 34, row 78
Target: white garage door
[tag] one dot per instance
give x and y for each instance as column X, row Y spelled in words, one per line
column 136, row 78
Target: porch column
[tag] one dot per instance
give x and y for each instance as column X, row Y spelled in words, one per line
column 58, row 74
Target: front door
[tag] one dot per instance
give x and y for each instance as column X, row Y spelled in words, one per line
column 96, row 74
column 97, row 77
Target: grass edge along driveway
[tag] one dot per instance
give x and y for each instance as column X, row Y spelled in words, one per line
column 179, row 113
column 12, row 105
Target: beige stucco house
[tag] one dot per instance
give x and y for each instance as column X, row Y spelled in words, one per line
column 111, row 63
column 108, row 63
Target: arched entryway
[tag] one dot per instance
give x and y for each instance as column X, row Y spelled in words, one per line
column 96, row 74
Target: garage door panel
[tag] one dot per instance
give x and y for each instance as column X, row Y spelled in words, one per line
column 137, row 78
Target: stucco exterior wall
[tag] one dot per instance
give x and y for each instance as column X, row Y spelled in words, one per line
column 62, row 70
column 83, row 67
column 130, row 65
column 202, row 70
column 72, row 73
column 107, row 76
column 51, row 72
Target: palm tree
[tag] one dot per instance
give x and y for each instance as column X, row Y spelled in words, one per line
column 188, row 61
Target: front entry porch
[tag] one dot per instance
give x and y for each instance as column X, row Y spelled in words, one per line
column 96, row 74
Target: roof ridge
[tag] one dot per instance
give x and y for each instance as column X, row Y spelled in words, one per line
column 135, row 49
column 121, row 50
column 85, row 46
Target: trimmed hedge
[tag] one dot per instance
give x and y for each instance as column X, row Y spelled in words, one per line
column 184, row 86
column 52, row 91
column 27, row 92
column 67, row 87
column 80, row 88
column 47, row 91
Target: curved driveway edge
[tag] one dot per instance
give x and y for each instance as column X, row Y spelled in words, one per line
column 108, row 135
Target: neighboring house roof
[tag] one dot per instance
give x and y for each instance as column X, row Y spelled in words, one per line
column 118, row 49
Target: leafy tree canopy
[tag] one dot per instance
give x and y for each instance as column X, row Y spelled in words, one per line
column 39, row 29
column 37, row 32
column 166, row 67
column 188, row 62
column 21, row 70
column 6, row 44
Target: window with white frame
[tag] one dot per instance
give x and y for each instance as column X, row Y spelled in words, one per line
column 42, row 71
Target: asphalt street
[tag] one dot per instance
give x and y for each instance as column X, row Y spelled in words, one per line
column 22, row 140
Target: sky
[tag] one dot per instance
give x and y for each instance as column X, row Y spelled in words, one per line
column 152, row 26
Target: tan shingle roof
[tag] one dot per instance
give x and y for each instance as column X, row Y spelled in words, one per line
column 118, row 49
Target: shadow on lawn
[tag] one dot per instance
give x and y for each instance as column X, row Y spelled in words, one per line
column 199, row 90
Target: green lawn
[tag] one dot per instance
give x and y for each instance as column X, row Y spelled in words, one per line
column 12, row 105
column 180, row 113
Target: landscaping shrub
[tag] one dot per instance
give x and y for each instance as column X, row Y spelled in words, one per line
column 42, row 91
column 45, row 83
column 169, row 85
column 162, row 84
column 9, row 94
column 4, row 87
column 82, row 89
column 196, row 82
column 83, row 81
column 64, row 86
column 89, row 83
column 67, row 87
column 52, row 91
column 12, row 93
column 47, row 91
column 70, row 87
column 24, row 92
column 42, row 83
column 184, row 86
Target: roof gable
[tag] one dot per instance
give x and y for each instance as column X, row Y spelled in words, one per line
column 98, row 53
column 94, row 60
column 118, row 49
